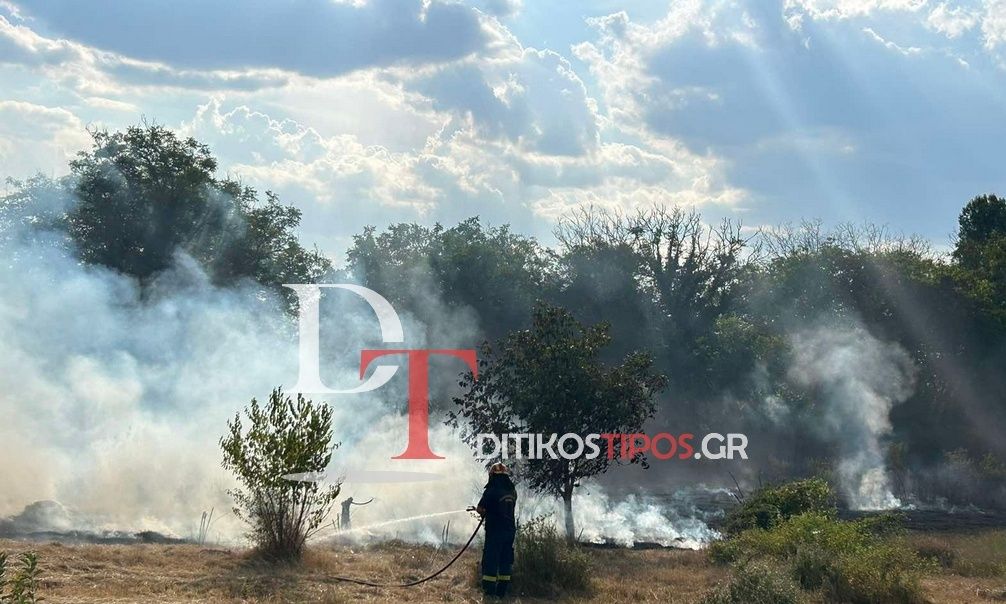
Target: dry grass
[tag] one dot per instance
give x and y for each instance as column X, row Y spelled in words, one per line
column 190, row 573
column 973, row 566
column 970, row 555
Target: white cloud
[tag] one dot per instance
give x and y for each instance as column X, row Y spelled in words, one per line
column 987, row 18
column 848, row 9
column 504, row 8
column 951, row 21
column 111, row 104
column 619, row 59
column 35, row 138
column 285, row 153
column 20, row 45
column 909, row 50
column 534, row 99
column 994, row 23
column 458, row 172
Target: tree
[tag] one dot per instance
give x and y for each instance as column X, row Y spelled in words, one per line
column 139, row 197
column 982, row 221
column 901, row 291
column 493, row 271
column 548, row 379
column 284, row 437
column 980, row 252
column 688, row 270
column 602, row 281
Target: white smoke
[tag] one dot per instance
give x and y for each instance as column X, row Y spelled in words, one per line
column 860, row 379
column 113, row 399
column 636, row 519
column 113, row 404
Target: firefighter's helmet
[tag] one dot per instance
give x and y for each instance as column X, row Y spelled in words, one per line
column 498, row 468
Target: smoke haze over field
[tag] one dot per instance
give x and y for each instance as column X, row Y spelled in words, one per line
column 114, row 401
column 115, row 395
column 143, row 305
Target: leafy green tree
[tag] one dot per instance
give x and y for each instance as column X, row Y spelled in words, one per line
column 284, row 437
column 140, row 196
column 685, row 271
column 601, row 281
column 980, row 252
column 493, row 271
column 548, row 379
column 982, row 221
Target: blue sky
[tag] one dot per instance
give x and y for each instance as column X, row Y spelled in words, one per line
column 377, row 111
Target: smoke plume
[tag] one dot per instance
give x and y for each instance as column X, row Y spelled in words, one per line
column 858, row 379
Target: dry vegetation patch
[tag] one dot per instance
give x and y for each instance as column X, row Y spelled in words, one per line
column 192, row 573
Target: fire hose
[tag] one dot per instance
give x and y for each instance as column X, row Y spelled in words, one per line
column 418, row 581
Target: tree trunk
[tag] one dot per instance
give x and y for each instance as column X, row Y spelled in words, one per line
column 567, row 500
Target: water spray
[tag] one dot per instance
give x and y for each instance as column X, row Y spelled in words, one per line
column 399, row 520
column 428, row 577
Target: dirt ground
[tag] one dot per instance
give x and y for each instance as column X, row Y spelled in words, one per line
column 191, row 573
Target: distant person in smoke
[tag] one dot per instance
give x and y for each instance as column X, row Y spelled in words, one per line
column 345, row 522
column 497, row 508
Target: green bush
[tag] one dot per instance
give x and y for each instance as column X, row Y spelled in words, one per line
column 787, row 537
column 854, row 562
column 22, row 587
column 757, row 584
column 770, row 505
column 545, row 565
column 884, row 573
column 812, row 566
column 279, row 439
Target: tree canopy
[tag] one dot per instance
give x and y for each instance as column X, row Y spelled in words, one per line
column 549, row 379
column 140, row 196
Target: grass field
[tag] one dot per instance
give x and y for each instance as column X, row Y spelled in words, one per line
column 972, row 570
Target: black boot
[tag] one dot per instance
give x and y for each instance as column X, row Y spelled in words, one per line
column 502, row 586
column 489, row 586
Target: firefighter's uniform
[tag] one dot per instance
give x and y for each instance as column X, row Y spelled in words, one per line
column 497, row 507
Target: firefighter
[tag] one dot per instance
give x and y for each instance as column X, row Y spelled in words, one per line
column 497, row 508
column 345, row 522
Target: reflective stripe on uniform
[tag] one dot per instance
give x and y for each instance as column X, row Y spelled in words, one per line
column 503, row 577
column 488, row 578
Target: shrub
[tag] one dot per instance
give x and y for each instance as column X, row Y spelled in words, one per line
column 940, row 551
column 284, row 437
column 787, row 537
column 756, row 584
column 811, row 566
column 22, row 588
column 769, row 505
column 546, row 565
column 884, row 573
column 854, row 562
